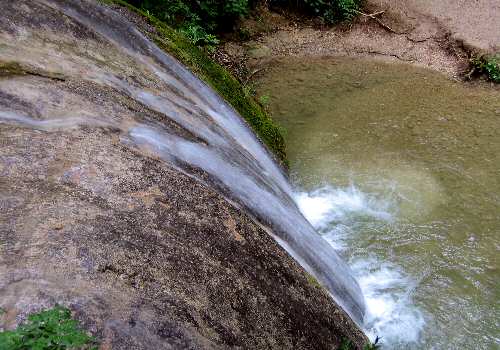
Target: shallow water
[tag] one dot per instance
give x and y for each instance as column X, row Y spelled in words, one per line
column 399, row 168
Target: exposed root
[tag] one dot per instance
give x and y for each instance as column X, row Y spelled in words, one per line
column 374, row 17
column 417, row 40
column 468, row 76
column 382, row 24
column 250, row 76
column 374, row 52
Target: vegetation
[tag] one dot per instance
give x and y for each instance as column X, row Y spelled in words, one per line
column 198, row 20
column 330, row 11
column 201, row 20
column 52, row 329
column 488, row 65
column 264, row 100
column 348, row 345
column 313, row 281
column 10, row 68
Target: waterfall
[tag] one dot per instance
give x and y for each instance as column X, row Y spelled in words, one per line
column 215, row 140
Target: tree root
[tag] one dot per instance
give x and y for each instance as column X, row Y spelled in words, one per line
column 250, row 76
column 376, row 19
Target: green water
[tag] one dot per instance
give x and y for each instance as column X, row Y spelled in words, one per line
column 427, row 148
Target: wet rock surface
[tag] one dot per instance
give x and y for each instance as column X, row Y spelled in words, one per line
column 145, row 254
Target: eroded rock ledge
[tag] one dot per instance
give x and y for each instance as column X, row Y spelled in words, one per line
column 145, row 255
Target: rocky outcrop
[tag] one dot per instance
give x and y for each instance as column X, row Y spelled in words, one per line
column 145, row 254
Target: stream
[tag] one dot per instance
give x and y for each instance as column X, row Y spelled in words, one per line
column 398, row 168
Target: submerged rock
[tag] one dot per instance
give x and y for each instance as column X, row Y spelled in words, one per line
column 148, row 251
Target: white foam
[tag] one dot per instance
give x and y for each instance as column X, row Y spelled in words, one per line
column 326, row 205
column 391, row 313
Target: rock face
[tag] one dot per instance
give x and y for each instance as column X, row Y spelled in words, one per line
column 145, row 254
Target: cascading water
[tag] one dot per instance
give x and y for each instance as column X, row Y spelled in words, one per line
column 218, row 142
column 390, row 312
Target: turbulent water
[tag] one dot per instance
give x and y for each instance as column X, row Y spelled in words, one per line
column 398, row 168
column 340, row 214
column 214, row 139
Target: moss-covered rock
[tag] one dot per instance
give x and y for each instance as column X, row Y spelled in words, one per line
column 11, row 68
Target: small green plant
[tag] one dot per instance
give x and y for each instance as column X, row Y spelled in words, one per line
column 199, row 36
column 333, row 11
column 313, row 281
column 244, row 34
column 488, row 65
column 52, row 329
column 249, row 91
column 330, row 10
column 373, row 346
column 264, row 100
column 347, row 344
column 199, row 20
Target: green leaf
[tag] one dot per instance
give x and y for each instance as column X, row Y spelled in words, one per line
column 52, row 329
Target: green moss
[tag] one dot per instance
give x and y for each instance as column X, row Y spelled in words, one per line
column 312, row 280
column 331, row 11
column 218, row 78
column 347, row 344
column 10, row 69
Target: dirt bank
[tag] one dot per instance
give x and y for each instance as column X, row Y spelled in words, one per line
column 438, row 34
column 475, row 23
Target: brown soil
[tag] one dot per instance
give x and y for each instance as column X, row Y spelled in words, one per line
column 440, row 35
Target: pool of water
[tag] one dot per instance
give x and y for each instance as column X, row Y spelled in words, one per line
column 399, row 169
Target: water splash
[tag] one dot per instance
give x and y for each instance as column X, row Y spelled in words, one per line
column 337, row 213
column 326, row 205
column 391, row 313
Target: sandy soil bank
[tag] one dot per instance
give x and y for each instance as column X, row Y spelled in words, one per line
column 437, row 34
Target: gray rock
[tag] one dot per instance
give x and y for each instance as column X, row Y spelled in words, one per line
column 145, row 254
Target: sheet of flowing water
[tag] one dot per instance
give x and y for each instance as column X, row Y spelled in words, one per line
column 399, row 168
